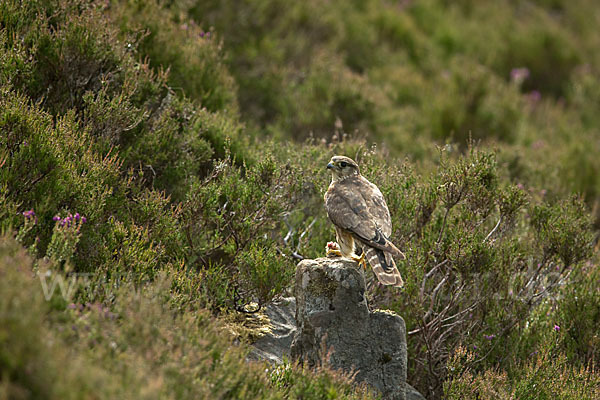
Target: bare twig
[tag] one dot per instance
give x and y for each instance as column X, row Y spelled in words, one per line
column 288, row 239
column 434, row 296
column 493, row 230
column 428, row 275
column 443, row 225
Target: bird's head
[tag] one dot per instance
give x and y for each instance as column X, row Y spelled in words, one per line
column 342, row 167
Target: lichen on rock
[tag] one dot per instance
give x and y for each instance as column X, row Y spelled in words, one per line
column 335, row 327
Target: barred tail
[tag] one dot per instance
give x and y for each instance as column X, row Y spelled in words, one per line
column 384, row 267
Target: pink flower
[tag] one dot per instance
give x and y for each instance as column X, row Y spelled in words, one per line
column 556, row 328
column 518, row 75
column 538, row 144
column 534, row 96
column 30, row 216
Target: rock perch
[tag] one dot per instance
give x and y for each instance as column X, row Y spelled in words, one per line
column 336, row 326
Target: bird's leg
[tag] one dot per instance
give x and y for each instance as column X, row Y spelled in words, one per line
column 360, row 260
column 333, row 250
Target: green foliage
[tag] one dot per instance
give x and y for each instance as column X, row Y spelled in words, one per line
column 65, row 236
column 32, row 354
column 302, row 383
column 260, row 269
column 478, row 262
column 229, row 221
column 521, row 75
column 563, row 230
column 577, row 312
column 546, row 376
column 136, row 348
column 75, row 60
column 192, row 56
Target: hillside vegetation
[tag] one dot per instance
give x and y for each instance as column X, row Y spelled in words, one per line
column 163, row 162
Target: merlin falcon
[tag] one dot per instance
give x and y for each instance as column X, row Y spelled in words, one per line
column 361, row 218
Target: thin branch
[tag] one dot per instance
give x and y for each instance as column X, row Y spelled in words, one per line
column 443, row 225
column 466, row 310
column 434, row 296
column 493, row 230
column 428, row 275
column 295, row 253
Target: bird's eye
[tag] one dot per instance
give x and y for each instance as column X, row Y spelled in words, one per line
column 343, row 164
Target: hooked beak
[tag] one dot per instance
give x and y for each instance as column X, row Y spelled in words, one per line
column 330, row 166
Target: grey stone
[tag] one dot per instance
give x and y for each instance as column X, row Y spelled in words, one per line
column 335, row 327
column 275, row 345
column 413, row 394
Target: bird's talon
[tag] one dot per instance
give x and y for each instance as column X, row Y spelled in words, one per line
column 332, row 250
column 361, row 260
column 334, row 253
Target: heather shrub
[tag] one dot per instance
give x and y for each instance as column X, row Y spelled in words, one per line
column 64, row 51
column 479, row 106
column 75, row 60
column 303, row 87
column 577, row 314
column 33, row 354
column 482, row 255
column 191, row 54
column 42, row 158
column 301, row 383
column 154, row 232
column 231, row 221
column 547, row 375
column 136, row 347
column 417, row 72
column 193, row 137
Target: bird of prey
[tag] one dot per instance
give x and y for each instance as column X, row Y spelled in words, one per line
column 361, row 217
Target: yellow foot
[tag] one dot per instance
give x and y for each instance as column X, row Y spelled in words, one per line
column 361, row 260
column 332, row 250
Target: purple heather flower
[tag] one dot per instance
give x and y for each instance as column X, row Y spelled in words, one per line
column 83, row 220
column 534, row 96
column 489, row 337
column 76, row 216
column 538, row 144
column 56, row 218
column 518, row 75
column 556, row 328
column 29, row 214
column 201, row 34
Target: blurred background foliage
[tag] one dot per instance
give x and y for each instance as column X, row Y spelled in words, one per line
column 192, row 138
